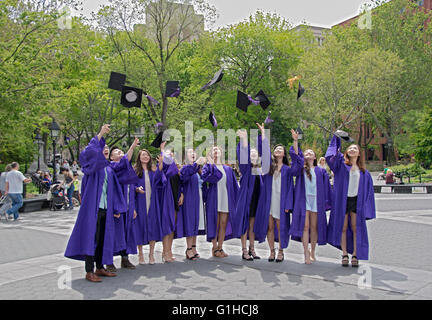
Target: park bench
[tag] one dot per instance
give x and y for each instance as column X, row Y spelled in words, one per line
column 403, row 188
column 35, row 204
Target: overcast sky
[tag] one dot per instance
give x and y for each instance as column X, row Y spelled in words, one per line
column 322, row 13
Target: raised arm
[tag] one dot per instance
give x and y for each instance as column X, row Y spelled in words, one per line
column 297, row 161
column 188, row 171
column 211, row 173
column 334, row 157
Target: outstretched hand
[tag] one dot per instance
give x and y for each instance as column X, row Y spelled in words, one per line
column 294, row 135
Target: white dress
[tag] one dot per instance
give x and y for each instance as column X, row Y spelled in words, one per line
column 310, row 191
column 276, row 196
column 201, row 224
column 147, row 189
column 222, row 191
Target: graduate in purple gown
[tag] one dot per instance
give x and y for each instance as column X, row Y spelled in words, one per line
column 277, row 198
column 193, row 207
column 92, row 238
column 170, row 198
column 125, row 242
column 251, row 183
column 144, row 198
column 353, row 202
column 312, row 200
column 221, row 201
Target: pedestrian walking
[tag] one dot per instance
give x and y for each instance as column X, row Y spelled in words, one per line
column 14, row 188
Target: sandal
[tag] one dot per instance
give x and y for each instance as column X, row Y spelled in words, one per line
column 253, row 254
column 196, row 254
column 345, row 261
column 272, row 255
column 248, row 258
column 355, row 263
column 216, row 253
column 283, row 257
column 193, row 258
column 224, row 254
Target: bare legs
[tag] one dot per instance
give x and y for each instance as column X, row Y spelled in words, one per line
column 271, row 238
column 222, row 222
column 167, row 242
column 251, row 251
column 353, row 218
column 151, row 253
column 310, row 226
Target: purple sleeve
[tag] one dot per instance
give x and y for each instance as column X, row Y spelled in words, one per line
column 188, row 171
column 297, row 161
column 92, row 158
column 243, row 156
column 160, row 179
column 333, row 156
column 211, row 174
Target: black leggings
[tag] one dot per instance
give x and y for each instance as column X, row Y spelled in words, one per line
column 99, row 238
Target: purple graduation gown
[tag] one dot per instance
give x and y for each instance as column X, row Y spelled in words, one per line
column 188, row 215
column 365, row 203
column 167, row 212
column 286, row 200
column 147, row 225
column 323, row 194
column 247, row 183
column 124, row 227
column 212, row 175
column 82, row 240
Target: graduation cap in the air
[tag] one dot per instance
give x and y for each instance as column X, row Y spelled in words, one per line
column 158, row 141
column 172, row 89
column 262, row 98
column 152, row 100
column 217, row 77
column 268, row 119
column 244, row 100
column 116, row 81
column 300, row 91
column 131, row 97
column 343, row 135
column 213, row 120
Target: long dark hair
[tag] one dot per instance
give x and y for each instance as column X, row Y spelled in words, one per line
column 274, row 165
column 307, row 169
column 138, row 165
column 360, row 162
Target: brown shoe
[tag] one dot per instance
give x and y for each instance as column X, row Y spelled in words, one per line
column 111, row 268
column 104, row 273
column 90, row 276
column 125, row 263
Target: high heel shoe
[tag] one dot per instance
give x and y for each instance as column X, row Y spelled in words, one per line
column 280, row 260
column 248, row 258
column 272, row 255
column 193, row 258
column 253, row 254
column 196, row 254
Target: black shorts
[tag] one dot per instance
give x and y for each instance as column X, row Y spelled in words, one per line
column 351, row 205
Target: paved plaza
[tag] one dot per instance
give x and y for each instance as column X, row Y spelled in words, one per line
column 32, row 265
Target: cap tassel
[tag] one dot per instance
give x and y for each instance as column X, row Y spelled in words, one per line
column 152, row 100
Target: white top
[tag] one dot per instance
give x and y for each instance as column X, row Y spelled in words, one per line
column 354, row 179
column 147, row 189
column 222, row 191
column 276, row 196
column 310, row 185
column 15, row 179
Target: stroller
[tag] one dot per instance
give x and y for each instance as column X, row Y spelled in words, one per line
column 5, row 204
column 57, row 197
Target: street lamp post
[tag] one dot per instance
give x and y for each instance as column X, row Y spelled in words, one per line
column 55, row 132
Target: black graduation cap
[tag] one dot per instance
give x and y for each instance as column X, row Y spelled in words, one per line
column 217, row 77
column 213, row 120
column 116, row 81
column 343, row 135
column 131, row 97
column 262, row 98
column 300, row 91
column 158, row 141
column 172, row 89
column 244, row 100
